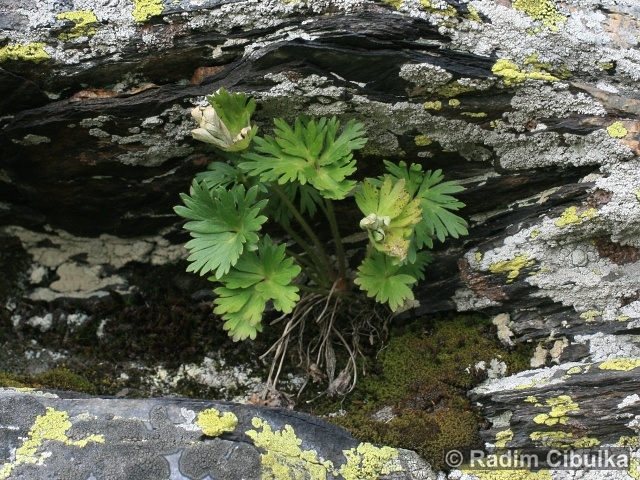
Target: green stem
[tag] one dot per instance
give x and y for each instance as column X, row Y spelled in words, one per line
column 331, row 216
column 311, row 270
column 305, row 226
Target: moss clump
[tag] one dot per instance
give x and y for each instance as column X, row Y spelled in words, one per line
column 421, row 381
column 56, row 379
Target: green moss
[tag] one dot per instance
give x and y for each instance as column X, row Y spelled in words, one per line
column 145, row 9
column 541, row 10
column 84, row 20
column 33, row 52
column 56, row 379
column 214, row 424
column 422, row 377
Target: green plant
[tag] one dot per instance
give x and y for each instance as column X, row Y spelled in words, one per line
column 287, row 178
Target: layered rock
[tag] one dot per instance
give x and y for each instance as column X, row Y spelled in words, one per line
column 532, row 106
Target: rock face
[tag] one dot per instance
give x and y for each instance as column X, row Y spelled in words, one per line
column 57, row 436
column 532, row 105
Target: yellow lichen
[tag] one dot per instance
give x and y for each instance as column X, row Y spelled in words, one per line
column 622, row 364
column 454, row 102
column 622, row 318
column 560, row 407
column 531, row 399
column 214, row 424
column 503, row 437
column 605, row 65
column 454, row 89
column 590, row 315
column 84, row 20
column 626, row 441
column 541, row 10
column 437, row 105
column 474, row 114
column 563, row 440
column 508, row 474
column 511, row 73
column 473, row 14
column 145, row 9
column 283, row 458
column 570, row 216
column 368, row 462
column 534, row 233
column 33, row 52
column 617, row 130
column 478, row 257
column 422, row 140
column 393, row 3
column 512, row 267
column 53, row 425
column 634, row 469
column 449, row 11
column 574, row 370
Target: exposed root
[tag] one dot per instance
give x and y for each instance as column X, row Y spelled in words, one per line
column 322, row 324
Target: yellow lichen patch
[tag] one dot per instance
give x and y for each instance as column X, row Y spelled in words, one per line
column 570, row 216
column 474, row 114
column 534, row 233
column 437, row 105
column 511, row 73
column 605, row 65
column 531, row 399
column 214, row 424
column 53, row 425
column 368, row 462
column 541, row 10
column 622, row 318
column 473, row 14
column 512, row 267
column 454, row 102
column 84, row 20
column 422, row 140
column 590, row 315
column 503, row 437
column 393, row 3
column 560, row 407
column 622, row 364
column 283, row 458
column 454, row 89
column 449, row 11
column 563, row 440
column 634, row 469
column 478, row 256
column 617, row 130
column 637, row 194
column 508, row 474
column 574, row 371
column 626, row 441
column 33, row 52
column 145, row 9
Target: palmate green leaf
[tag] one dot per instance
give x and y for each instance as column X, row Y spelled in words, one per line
column 390, row 215
column 438, row 206
column 257, row 277
column 388, row 282
column 308, row 153
column 218, row 174
column 224, row 223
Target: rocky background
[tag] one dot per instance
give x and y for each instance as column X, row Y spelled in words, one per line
column 532, row 105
